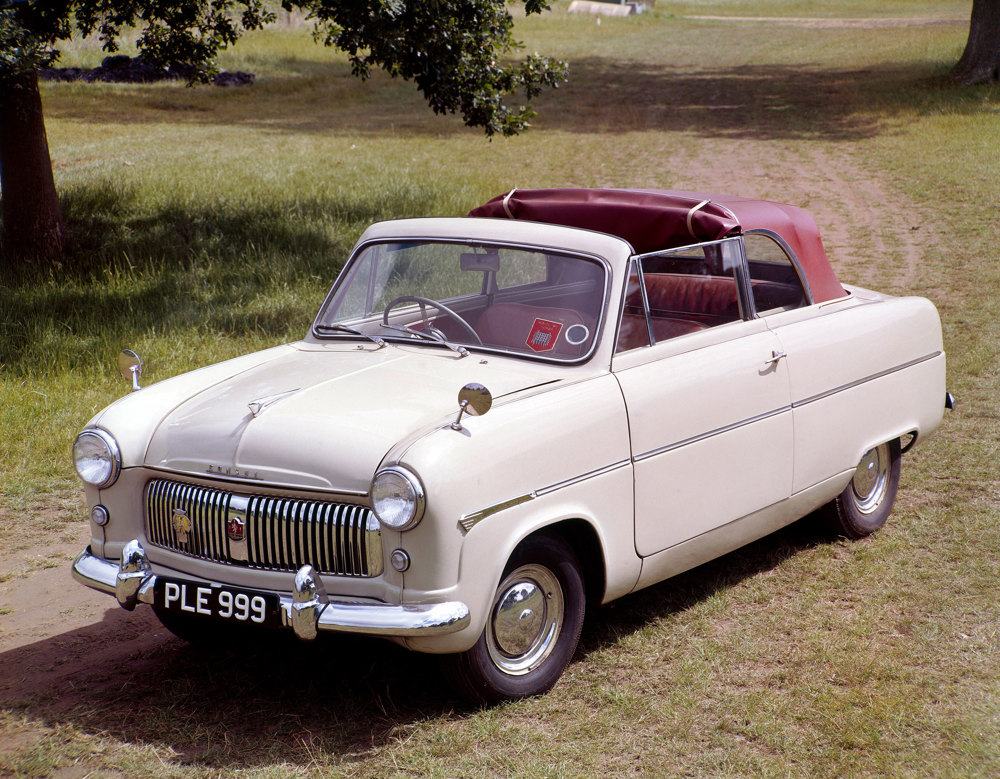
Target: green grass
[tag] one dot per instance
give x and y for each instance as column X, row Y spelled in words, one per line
column 208, row 222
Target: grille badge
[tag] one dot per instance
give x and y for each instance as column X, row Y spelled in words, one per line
column 236, row 528
column 182, row 525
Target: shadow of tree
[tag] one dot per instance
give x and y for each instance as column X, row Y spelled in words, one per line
column 764, row 102
column 135, row 269
column 277, row 700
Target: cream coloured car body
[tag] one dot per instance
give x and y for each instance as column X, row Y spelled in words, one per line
column 665, row 456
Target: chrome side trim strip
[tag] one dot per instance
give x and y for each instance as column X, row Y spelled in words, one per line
column 710, row 434
column 469, row 521
column 582, row 477
column 796, row 404
column 872, row 377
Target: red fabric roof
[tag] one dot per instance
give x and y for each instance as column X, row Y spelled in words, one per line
column 651, row 220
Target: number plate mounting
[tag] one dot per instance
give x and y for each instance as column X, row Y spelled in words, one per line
column 218, row 602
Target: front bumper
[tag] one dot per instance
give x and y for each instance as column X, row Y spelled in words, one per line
column 307, row 611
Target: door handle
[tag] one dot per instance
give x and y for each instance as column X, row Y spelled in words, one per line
column 776, row 355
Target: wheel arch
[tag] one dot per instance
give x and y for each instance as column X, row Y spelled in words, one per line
column 906, row 435
column 582, row 538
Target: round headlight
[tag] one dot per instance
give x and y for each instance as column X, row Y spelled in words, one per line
column 96, row 457
column 397, row 497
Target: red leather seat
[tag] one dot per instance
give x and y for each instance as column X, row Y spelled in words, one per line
column 712, row 298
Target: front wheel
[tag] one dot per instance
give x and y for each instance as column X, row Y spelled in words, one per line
column 864, row 505
column 532, row 630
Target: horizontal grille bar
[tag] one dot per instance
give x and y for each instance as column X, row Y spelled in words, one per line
column 261, row 531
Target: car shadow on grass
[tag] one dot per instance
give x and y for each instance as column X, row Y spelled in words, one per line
column 278, row 700
column 251, row 704
column 606, row 625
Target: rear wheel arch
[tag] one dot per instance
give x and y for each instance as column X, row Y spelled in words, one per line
column 865, row 503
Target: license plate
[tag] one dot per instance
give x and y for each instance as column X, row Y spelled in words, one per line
column 218, row 602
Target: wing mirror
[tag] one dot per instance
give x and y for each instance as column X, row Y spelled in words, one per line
column 474, row 400
column 130, row 366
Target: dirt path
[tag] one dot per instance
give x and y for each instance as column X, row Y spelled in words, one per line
column 860, row 219
column 58, row 637
column 822, row 23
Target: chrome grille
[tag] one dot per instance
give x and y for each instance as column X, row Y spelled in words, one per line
column 280, row 534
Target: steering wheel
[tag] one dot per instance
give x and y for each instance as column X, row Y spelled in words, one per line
column 424, row 302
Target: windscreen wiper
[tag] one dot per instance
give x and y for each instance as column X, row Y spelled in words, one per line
column 353, row 331
column 429, row 335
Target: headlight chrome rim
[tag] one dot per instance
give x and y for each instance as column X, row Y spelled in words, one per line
column 416, row 498
column 112, row 456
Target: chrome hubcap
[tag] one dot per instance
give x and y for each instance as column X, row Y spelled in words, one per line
column 871, row 479
column 525, row 620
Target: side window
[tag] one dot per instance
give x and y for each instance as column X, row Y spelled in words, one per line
column 687, row 290
column 773, row 281
column 634, row 330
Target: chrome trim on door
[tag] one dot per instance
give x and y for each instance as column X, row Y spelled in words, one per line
column 866, row 379
column 702, row 436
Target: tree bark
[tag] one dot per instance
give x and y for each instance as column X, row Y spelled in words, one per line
column 32, row 224
column 980, row 62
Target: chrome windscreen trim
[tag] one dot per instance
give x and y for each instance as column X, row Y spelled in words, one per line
column 866, row 379
column 702, row 436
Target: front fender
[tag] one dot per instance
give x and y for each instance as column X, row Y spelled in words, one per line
column 603, row 502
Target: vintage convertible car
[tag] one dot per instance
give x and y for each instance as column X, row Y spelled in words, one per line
column 494, row 420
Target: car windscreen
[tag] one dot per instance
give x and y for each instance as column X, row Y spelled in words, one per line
column 520, row 300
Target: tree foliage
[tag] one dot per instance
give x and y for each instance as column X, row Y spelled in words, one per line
column 457, row 52
column 458, row 66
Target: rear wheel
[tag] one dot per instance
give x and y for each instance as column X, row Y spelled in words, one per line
column 532, row 629
column 864, row 505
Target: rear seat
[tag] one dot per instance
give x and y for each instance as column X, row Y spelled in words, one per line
column 709, row 299
column 682, row 303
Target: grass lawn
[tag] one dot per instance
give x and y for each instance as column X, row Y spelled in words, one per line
column 210, row 222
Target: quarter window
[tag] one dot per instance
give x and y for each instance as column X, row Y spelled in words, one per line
column 774, row 282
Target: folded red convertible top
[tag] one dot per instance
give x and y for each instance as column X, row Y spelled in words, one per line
column 651, row 220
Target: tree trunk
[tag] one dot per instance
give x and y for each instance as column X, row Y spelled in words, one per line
column 32, row 224
column 980, row 61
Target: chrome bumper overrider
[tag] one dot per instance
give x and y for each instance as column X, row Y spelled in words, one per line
column 308, row 610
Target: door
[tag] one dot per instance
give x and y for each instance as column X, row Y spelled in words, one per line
column 707, row 395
